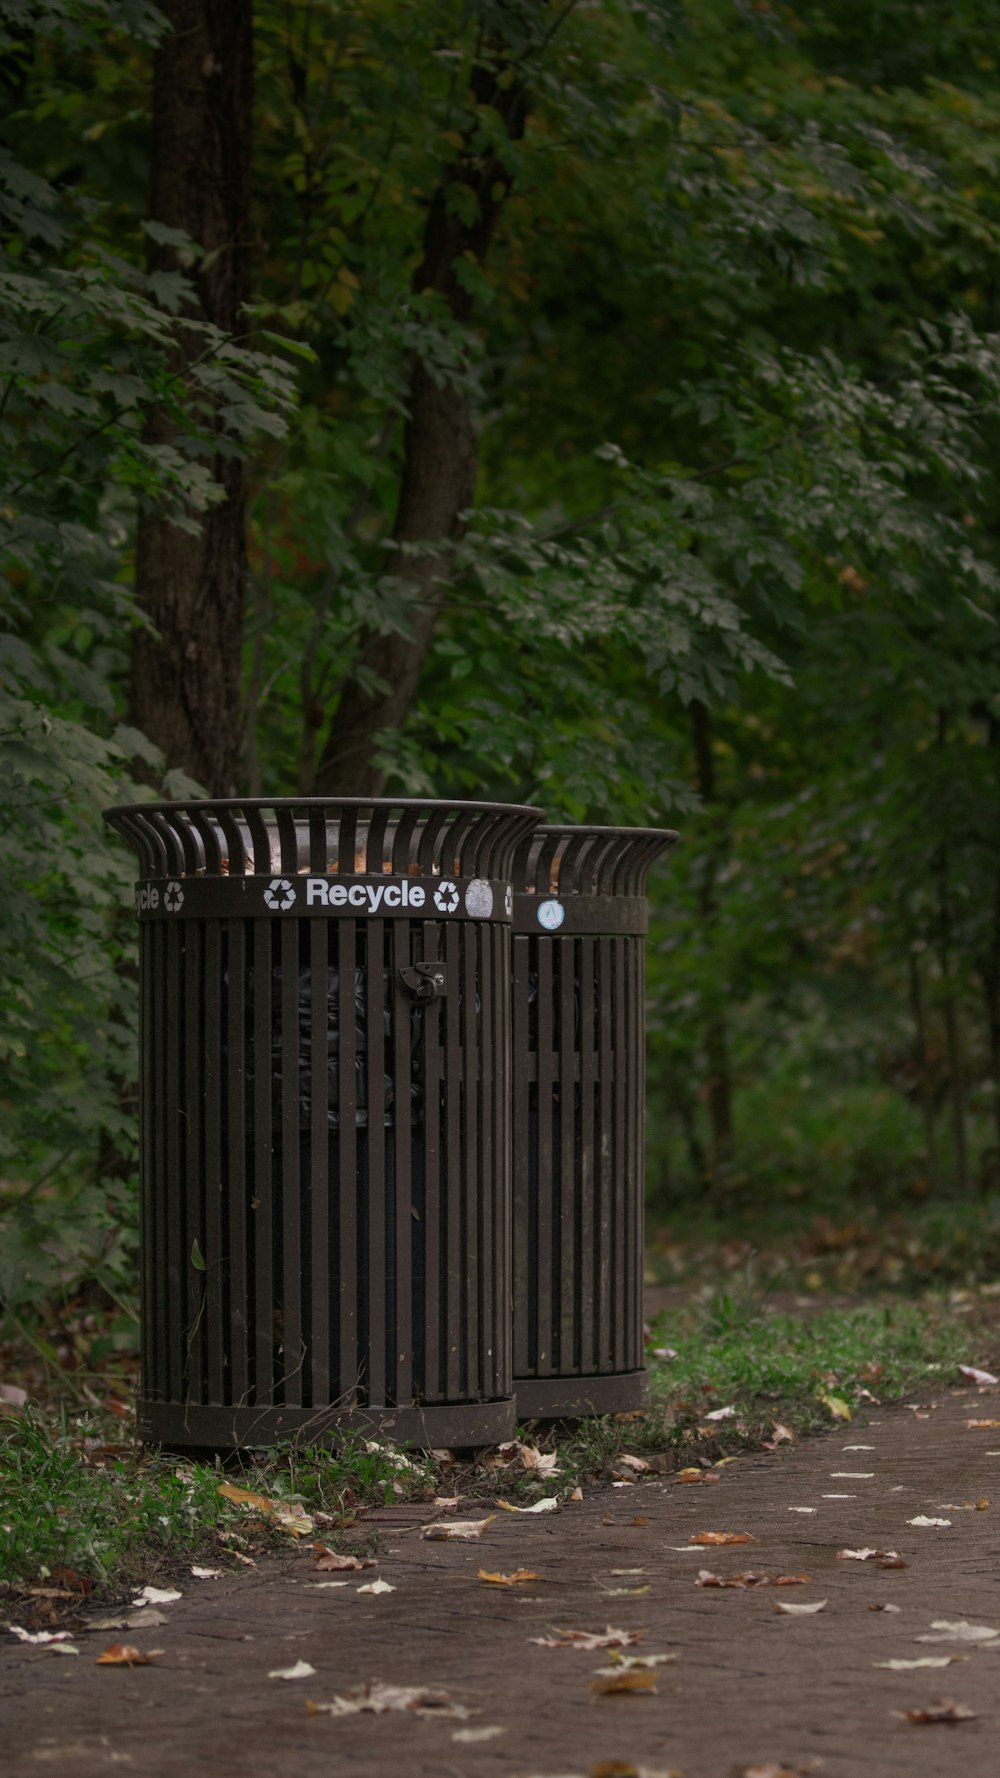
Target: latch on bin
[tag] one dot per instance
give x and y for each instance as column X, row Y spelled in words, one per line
column 428, row 981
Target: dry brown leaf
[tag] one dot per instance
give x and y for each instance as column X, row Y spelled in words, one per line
column 618, row 1679
column 707, row 1579
column 588, row 1640
column 331, row 1562
column 941, row 1710
column 695, row 1475
column 122, row 1654
column 720, row 1537
column 508, row 1580
column 640, row 1519
column 247, row 1497
column 880, row 1606
column 626, row 1768
column 973, row 1424
column 637, row 1463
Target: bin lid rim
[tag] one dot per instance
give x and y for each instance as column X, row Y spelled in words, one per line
column 208, row 804
column 638, row 833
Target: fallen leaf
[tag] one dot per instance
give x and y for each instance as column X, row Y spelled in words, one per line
column 851, row 1475
column 799, row 1610
column 377, row 1586
column 13, row 1395
column 973, row 1424
column 542, row 1463
column 891, row 1561
column 377, row 1699
column 802, row 1509
column 866, row 1555
column 143, row 1619
column 615, row 1679
column 837, row 1406
column 880, row 1607
column 975, row 1376
column 61, row 1648
column 720, row 1414
column 774, row 1769
column 122, row 1654
column 156, row 1596
column 301, row 1670
column 40, row 1635
column 783, row 1434
column 720, row 1537
column 620, row 1660
column 960, row 1631
column 330, row 1561
column 857, row 1447
column 508, row 1580
column 922, row 1519
column 322, row 1586
column 922, row 1661
column 707, row 1579
column 964, row 1506
column 546, row 1505
column 246, row 1497
column 637, row 1463
column 470, row 1736
column 942, row 1710
column 625, row 1592
column 207, row 1573
column 588, row 1640
column 577, row 1494
column 640, row 1519
column 457, row 1530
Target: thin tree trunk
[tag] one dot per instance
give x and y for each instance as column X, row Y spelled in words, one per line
column 952, row 1024
column 186, row 675
column 990, row 975
column 720, row 1111
column 925, row 1091
column 439, row 467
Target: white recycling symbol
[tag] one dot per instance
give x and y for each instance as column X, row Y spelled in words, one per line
column 446, row 898
column 173, row 898
column 508, row 901
column 280, row 896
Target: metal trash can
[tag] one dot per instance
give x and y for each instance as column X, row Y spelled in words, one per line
column 580, row 918
column 324, row 1121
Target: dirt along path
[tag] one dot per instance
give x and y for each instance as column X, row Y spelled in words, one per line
column 745, row 1686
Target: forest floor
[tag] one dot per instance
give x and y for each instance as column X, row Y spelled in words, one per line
column 742, row 1685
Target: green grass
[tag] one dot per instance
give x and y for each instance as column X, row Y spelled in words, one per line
column 66, row 1503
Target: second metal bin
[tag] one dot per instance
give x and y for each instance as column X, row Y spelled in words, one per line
column 580, row 918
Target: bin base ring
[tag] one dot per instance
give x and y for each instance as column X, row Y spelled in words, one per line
column 194, row 1425
column 573, row 1398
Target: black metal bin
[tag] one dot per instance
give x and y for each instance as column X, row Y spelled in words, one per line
column 324, row 1118
column 580, row 918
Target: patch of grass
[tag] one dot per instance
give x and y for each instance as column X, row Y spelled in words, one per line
column 800, row 1373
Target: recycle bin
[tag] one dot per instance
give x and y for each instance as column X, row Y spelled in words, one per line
column 578, row 1082
column 324, row 1118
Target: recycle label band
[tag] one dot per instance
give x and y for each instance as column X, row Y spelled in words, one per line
column 291, row 895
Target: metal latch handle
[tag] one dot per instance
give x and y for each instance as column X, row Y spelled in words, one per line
column 427, row 981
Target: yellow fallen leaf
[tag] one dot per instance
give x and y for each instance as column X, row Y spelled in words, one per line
column 508, row 1580
column 122, row 1654
column 720, row 1537
column 617, row 1679
column 246, row 1497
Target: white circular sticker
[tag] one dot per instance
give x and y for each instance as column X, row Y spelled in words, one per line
column 479, row 899
column 551, row 915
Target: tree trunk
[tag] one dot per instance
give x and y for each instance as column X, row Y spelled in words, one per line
column 439, row 468
column 924, row 1084
column 720, row 1110
column 186, row 675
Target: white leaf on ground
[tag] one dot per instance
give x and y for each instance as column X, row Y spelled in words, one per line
column 857, row 1447
column 802, row 1509
column 851, row 1475
column 624, row 1662
column 720, row 1414
column 458, row 1530
column 157, row 1596
column 881, row 1607
column 470, row 1736
column 922, row 1519
column 799, row 1610
column 621, row 1571
column 207, row 1573
column 685, row 1549
column 587, row 1640
column 392, row 1456
column 377, row 1586
column 39, row 1635
column 321, row 1586
column 547, row 1505
column 970, row 1371
column 922, row 1661
column 962, row 1631
column 301, row 1670
column 376, row 1699
column 838, row 1497
column 866, row 1555
column 61, row 1648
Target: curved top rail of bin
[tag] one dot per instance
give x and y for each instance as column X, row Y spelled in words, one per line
column 346, row 836
column 588, row 860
